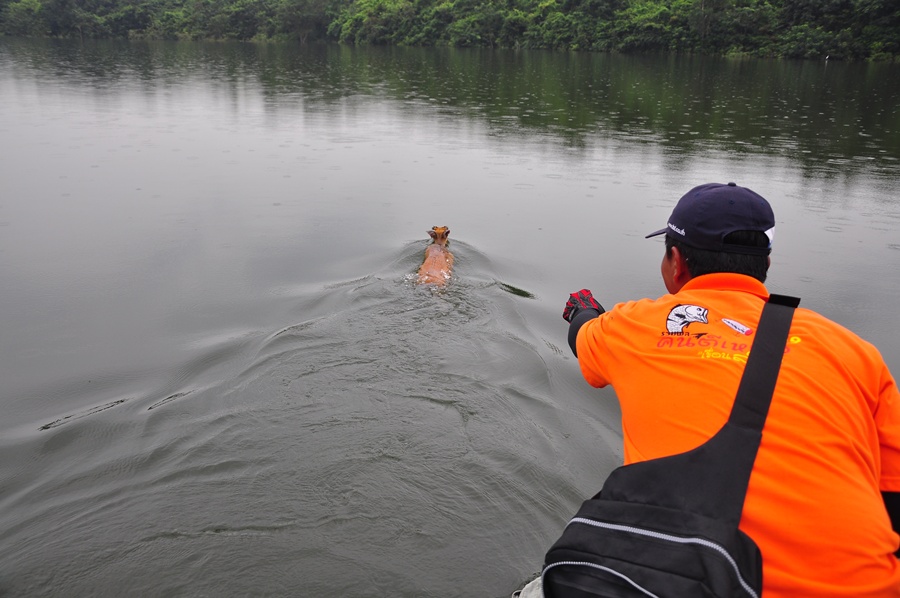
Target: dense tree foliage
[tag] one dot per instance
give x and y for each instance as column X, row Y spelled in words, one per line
column 841, row 29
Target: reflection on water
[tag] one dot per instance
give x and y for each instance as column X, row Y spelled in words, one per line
column 218, row 377
column 833, row 118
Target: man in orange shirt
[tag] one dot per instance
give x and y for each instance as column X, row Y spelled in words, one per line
column 823, row 503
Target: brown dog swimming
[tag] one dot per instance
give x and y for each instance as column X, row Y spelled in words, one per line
column 438, row 260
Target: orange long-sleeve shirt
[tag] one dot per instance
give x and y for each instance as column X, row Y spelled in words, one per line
column 830, row 445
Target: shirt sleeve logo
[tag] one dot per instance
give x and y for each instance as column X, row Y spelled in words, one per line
column 681, row 316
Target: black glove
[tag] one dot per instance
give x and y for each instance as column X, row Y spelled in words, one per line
column 578, row 301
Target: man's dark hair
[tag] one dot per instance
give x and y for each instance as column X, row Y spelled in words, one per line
column 702, row 261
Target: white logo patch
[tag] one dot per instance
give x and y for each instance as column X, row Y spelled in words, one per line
column 737, row 326
column 682, row 315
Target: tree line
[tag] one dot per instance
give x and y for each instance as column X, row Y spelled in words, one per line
column 837, row 29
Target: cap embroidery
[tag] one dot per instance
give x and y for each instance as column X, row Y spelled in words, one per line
column 680, row 231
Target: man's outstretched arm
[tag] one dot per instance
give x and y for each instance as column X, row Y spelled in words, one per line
column 580, row 308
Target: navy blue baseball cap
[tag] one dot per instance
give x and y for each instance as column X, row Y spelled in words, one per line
column 707, row 213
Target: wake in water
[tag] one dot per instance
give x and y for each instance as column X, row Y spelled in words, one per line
column 396, row 440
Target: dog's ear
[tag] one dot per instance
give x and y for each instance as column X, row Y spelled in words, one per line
column 432, row 234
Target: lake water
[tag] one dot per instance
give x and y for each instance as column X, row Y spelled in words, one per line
column 218, row 377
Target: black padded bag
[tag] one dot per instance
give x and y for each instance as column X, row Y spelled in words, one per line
column 669, row 527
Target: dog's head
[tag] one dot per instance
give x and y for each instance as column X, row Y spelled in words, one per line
column 439, row 234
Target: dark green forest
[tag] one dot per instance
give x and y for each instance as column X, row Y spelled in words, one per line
column 838, row 29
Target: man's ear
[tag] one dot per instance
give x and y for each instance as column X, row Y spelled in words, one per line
column 680, row 274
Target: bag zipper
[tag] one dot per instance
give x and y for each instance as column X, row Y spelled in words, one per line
column 601, row 568
column 670, row 538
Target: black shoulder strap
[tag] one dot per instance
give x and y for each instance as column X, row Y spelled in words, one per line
column 754, row 395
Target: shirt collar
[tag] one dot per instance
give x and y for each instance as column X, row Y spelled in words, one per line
column 725, row 281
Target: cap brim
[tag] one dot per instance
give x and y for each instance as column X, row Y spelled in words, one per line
column 661, row 231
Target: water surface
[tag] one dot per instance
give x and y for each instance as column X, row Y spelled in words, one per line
column 218, row 375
